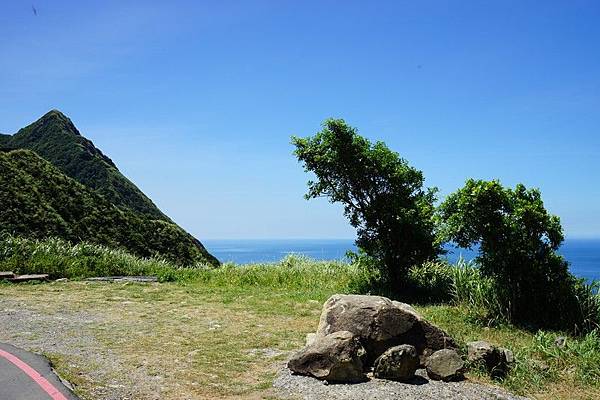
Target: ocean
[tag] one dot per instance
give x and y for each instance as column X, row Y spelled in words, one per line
column 583, row 255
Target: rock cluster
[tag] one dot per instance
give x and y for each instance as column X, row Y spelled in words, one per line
column 357, row 334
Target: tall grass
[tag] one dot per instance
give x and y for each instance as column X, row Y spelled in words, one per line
column 479, row 296
column 61, row 259
column 477, row 293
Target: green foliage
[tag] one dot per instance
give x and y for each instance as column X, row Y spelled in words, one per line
column 56, row 139
column 382, row 195
column 539, row 362
column 542, row 362
column 588, row 305
column 430, row 282
column 61, row 259
column 476, row 293
column 517, row 241
column 4, row 140
column 39, row 201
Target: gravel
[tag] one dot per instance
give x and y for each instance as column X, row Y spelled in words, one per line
column 302, row 387
column 72, row 336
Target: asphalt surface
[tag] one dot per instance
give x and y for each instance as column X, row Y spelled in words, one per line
column 28, row 376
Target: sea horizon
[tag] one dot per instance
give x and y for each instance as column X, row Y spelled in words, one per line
column 583, row 254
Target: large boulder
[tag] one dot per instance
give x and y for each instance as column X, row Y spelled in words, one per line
column 445, row 365
column 380, row 324
column 337, row 357
column 397, row 363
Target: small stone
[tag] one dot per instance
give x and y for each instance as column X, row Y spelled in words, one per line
column 560, row 342
column 397, row 363
column 508, row 355
column 479, row 351
column 445, row 365
column 497, row 360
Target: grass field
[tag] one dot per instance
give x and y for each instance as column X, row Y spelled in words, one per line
column 225, row 332
column 175, row 341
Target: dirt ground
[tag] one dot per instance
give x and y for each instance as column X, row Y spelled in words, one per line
column 156, row 341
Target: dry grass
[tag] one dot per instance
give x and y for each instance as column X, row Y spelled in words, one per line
column 200, row 340
column 164, row 341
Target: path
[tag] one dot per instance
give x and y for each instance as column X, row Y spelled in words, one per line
column 28, row 376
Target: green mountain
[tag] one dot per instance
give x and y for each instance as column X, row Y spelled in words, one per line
column 77, row 193
column 56, row 139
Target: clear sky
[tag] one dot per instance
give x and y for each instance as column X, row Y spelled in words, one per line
column 195, row 101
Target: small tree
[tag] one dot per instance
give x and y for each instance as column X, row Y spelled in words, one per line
column 517, row 241
column 383, row 197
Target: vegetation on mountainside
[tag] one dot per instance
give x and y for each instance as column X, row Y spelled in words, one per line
column 57, row 140
column 382, row 195
column 4, row 140
column 39, row 201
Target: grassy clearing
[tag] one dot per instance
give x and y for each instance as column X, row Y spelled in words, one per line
column 220, row 340
column 180, row 340
column 223, row 333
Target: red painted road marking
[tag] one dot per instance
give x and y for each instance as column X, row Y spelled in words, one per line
column 33, row 374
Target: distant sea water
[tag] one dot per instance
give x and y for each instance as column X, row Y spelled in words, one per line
column 582, row 254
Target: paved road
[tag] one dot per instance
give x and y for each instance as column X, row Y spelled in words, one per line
column 28, row 376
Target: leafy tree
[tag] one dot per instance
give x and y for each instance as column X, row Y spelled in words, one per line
column 382, row 195
column 517, row 240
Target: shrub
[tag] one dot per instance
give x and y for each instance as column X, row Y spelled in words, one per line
column 430, row 282
column 517, row 241
column 382, row 195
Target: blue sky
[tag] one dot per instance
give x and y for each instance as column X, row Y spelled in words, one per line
column 195, row 101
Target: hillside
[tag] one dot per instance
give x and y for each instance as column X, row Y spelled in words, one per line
column 39, row 201
column 55, row 138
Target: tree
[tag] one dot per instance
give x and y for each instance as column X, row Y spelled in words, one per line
column 517, row 241
column 382, row 195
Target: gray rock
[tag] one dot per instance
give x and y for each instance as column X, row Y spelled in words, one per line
column 310, row 338
column 336, row 357
column 380, row 324
column 508, row 356
column 560, row 342
column 497, row 360
column 445, row 365
column 397, row 363
column 427, row 339
column 479, row 351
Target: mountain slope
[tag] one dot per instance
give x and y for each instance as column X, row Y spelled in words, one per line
column 56, row 139
column 37, row 200
column 4, row 139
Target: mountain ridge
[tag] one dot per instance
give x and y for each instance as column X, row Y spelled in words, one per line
column 55, row 138
column 51, row 153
